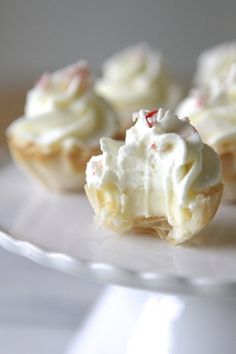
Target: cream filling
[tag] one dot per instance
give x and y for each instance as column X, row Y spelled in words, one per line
column 39, row 101
column 216, row 124
column 83, row 123
column 160, row 192
column 215, row 63
column 136, row 77
column 61, row 89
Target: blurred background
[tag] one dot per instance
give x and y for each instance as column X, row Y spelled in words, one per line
column 36, row 36
column 40, row 308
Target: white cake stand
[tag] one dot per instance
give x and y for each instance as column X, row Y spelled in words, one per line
column 197, row 315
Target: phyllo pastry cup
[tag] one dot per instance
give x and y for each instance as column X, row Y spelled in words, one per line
column 63, row 122
column 59, row 169
column 161, row 180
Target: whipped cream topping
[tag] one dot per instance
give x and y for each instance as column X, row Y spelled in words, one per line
column 215, row 63
column 137, row 76
column 59, row 89
column 164, row 157
column 64, row 109
column 212, row 110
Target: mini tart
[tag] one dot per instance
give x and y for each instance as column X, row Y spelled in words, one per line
column 134, row 78
column 64, row 120
column 212, row 110
column 161, row 180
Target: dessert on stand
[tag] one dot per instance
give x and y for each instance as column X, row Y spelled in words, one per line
column 173, row 299
column 164, row 180
column 63, row 122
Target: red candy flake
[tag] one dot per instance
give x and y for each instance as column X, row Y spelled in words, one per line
column 81, row 71
column 43, row 81
column 201, row 100
column 150, row 115
column 153, row 146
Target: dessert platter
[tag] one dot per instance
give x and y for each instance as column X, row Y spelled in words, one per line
column 70, row 244
column 58, row 231
column 139, row 200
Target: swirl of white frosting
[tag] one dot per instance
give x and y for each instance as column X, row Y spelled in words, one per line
column 212, row 110
column 215, row 63
column 162, row 155
column 59, row 89
column 63, row 108
column 137, row 76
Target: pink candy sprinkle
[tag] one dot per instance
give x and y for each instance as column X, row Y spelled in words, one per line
column 81, row 71
column 150, row 115
column 153, row 146
column 43, row 81
column 199, row 102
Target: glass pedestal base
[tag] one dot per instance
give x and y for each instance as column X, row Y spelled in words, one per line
column 128, row 321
